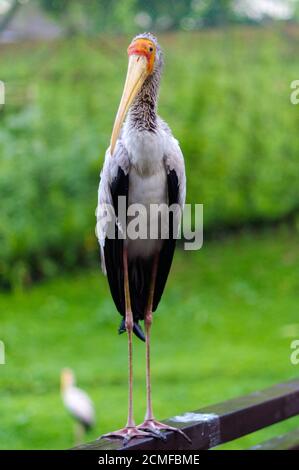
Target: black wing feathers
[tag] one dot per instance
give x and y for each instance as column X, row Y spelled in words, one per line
column 113, row 249
column 139, row 269
column 167, row 251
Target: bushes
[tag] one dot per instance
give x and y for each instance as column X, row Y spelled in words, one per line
column 225, row 95
column 239, row 133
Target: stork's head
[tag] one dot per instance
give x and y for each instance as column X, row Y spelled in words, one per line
column 146, row 45
column 67, row 379
column 145, row 60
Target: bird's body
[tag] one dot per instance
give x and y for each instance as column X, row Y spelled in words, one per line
column 146, row 162
column 78, row 403
column 147, row 180
column 80, row 406
column 144, row 165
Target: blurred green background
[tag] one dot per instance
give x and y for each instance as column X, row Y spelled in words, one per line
column 230, row 311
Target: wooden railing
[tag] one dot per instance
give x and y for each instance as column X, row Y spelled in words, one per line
column 224, row 422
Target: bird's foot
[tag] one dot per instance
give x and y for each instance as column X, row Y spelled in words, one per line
column 155, row 427
column 128, row 433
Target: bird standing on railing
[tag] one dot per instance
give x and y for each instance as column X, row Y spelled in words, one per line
column 145, row 165
column 78, row 403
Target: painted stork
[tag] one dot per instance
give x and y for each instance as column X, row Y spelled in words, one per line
column 145, row 165
column 78, row 403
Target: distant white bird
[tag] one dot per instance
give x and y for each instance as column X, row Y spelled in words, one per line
column 78, row 403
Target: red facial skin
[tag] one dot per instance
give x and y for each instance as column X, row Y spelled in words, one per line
column 146, row 48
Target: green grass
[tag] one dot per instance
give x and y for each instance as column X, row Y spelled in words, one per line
column 223, row 329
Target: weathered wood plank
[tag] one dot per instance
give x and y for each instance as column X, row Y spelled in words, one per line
column 220, row 423
column 289, row 441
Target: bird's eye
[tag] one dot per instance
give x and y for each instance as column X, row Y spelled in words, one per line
column 151, row 49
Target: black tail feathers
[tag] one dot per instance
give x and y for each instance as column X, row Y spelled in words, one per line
column 137, row 330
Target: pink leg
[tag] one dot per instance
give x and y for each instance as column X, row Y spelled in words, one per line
column 129, row 328
column 130, row 430
column 150, row 423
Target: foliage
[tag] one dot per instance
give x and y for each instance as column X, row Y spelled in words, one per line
column 126, row 16
column 94, row 15
column 225, row 96
column 215, row 12
column 100, row 15
column 223, row 329
column 164, row 15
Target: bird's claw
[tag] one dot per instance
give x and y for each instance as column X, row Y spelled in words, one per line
column 130, row 432
column 156, row 428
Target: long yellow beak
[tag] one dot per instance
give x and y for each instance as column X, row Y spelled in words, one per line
column 136, row 75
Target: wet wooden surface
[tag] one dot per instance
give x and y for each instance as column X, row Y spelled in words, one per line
column 289, row 441
column 220, row 423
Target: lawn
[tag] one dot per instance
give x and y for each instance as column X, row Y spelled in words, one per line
column 224, row 328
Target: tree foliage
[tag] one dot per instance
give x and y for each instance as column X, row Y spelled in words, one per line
column 113, row 15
